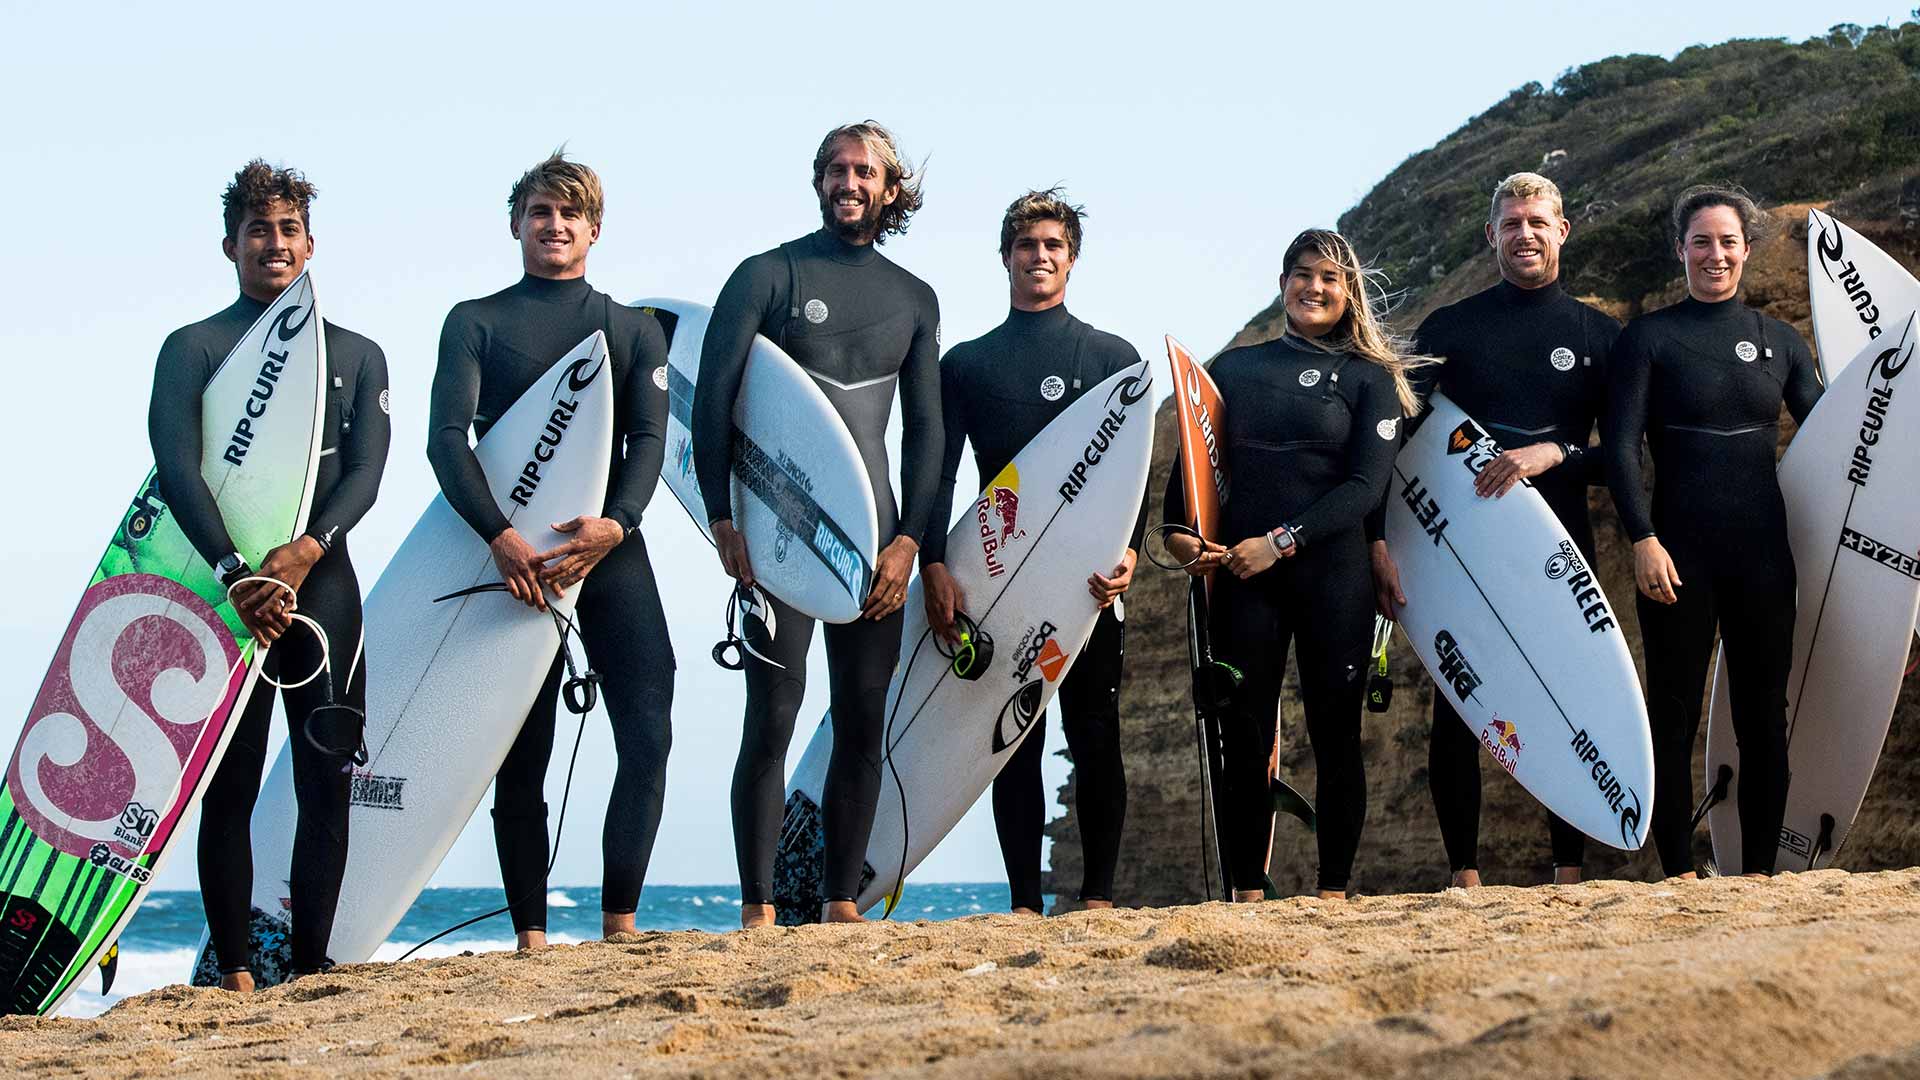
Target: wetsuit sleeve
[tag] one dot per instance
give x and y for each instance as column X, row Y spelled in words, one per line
column 1629, row 381
column 923, row 437
column 1369, row 464
column 646, row 435
column 1593, row 463
column 456, row 396
column 1803, row 387
column 744, row 303
column 173, row 427
column 363, row 453
column 953, row 423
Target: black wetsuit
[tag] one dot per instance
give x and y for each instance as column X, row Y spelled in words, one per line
column 1531, row 366
column 1000, row 390
column 1309, row 443
column 859, row 324
column 1704, row 384
column 491, row 350
column 353, row 455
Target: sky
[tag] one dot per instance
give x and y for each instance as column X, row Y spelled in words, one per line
column 1200, row 139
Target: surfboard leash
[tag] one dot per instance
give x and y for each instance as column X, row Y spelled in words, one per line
column 581, row 692
column 356, row 754
column 745, row 602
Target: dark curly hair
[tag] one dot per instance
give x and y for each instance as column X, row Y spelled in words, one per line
column 257, row 185
column 1038, row 206
column 879, row 142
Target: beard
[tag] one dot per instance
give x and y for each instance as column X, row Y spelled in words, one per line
column 860, row 231
column 1544, row 272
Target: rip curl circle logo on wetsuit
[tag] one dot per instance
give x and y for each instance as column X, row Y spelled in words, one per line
column 1310, row 377
column 1387, row 429
column 815, row 311
column 1746, row 352
column 1561, row 359
column 386, row 402
column 660, row 376
column 1053, row 387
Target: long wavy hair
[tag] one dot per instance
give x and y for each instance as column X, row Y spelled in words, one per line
column 1363, row 330
column 900, row 172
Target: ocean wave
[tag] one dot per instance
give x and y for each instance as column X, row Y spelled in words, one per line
column 558, row 898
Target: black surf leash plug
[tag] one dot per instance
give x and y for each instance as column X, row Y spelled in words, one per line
column 1379, row 683
column 971, row 657
column 581, row 692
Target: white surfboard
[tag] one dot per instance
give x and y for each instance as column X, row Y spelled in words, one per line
column 153, row 672
column 800, row 490
column 1517, row 633
column 1063, row 508
column 1854, row 526
column 449, row 683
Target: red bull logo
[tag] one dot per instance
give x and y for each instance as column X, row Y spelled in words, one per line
column 997, row 515
column 1502, row 740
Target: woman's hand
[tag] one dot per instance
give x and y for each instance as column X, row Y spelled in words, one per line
column 1654, row 572
column 1249, row 557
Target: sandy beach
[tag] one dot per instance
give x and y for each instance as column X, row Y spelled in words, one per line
column 1802, row 975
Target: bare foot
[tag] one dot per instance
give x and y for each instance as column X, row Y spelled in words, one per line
column 612, row 922
column 1249, row 896
column 754, row 916
column 1095, row 905
column 1762, row 877
column 1024, row 911
column 529, row 940
column 1688, row 876
column 1332, row 894
column 240, row 982
column 1466, row 879
column 840, row 911
column 1566, row 875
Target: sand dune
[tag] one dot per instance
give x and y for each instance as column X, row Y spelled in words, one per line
column 1791, row 977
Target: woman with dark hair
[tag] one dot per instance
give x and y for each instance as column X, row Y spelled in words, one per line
column 1703, row 382
column 1312, row 425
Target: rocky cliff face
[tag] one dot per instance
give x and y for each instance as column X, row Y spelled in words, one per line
column 1162, row 852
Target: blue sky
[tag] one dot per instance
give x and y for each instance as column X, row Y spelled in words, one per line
column 1200, row 137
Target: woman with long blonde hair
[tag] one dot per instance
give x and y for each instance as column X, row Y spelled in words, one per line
column 1312, row 426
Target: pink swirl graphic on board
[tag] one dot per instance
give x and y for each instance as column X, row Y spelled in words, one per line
column 137, row 698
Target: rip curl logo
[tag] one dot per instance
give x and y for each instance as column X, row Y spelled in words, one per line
column 660, row 376
column 1053, row 387
column 1310, row 377
column 1561, row 359
column 127, row 717
column 386, row 402
column 1746, row 351
column 1387, row 429
column 815, row 311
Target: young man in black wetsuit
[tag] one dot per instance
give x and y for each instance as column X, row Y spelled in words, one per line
column 859, row 324
column 1000, row 390
column 269, row 242
column 491, row 350
column 1529, row 363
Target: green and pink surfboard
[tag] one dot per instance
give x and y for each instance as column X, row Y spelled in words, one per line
column 135, row 711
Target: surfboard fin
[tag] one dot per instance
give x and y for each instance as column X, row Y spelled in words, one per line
column 109, row 967
column 1288, row 801
column 893, row 899
column 1715, row 795
column 1824, row 842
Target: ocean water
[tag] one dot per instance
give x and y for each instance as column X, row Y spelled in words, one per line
column 157, row 948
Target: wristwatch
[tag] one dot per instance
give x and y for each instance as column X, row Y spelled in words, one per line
column 232, row 568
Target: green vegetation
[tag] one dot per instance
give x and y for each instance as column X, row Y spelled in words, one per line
column 1622, row 136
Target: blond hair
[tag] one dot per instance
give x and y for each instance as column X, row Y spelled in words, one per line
column 566, row 180
column 1525, row 185
column 879, row 142
column 1362, row 331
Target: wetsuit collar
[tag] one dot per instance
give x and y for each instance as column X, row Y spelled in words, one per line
column 828, row 243
column 1514, row 296
column 248, row 306
column 1719, row 309
column 551, row 291
column 1038, row 322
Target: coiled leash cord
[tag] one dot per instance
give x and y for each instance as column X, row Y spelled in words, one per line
column 357, row 754
column 581, row 692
